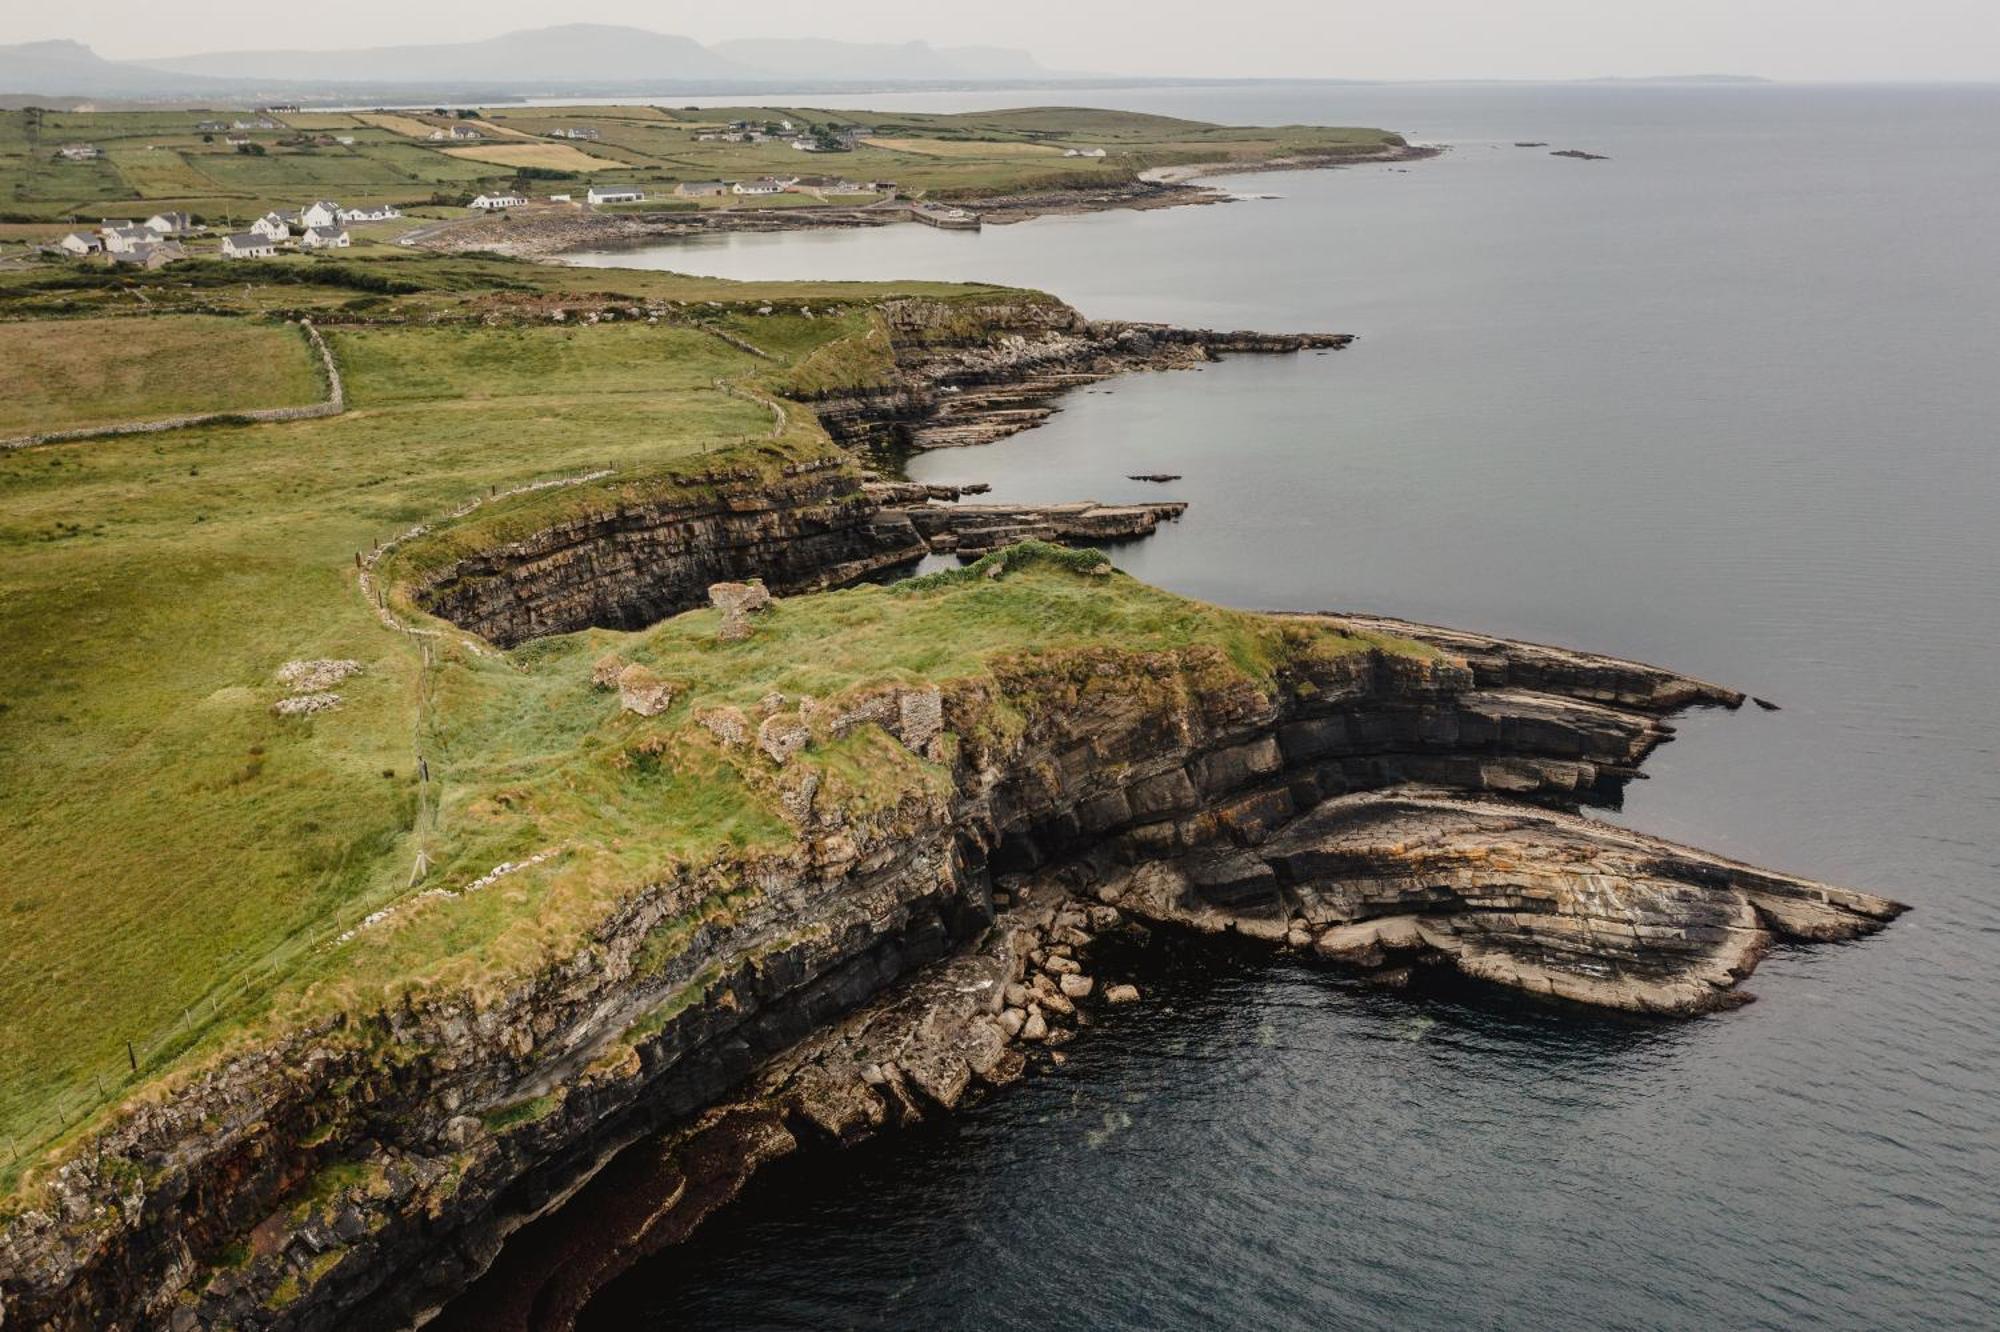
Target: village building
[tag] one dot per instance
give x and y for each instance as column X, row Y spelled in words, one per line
column 760, row 186
column 487, row 203
column 1083, row 152
column 272, row 227
column 209, row 127
column 614, row 194
column 457, row 133
column 170, row 224
column 126, row 240
column 701, row 189
column 344, row 140
column 560, row 198
column 588, row 132
column 156, row 255
column 236, row 140
column 320, row 213
column 76, row 243
column 324, row 238
column 248, row 245
column 79, row 152
column 260, row 123
column 380, row 212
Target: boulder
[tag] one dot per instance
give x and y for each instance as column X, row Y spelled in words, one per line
column 782, row 736
column 1076, row 987
column 1035, row 1027
column 642, row 692
column 1121, row 994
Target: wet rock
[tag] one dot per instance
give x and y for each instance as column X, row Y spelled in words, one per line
column 1061, row 966
column 1076, row 986
column 1012, row 1020
column 1036, row 1027
column 1121, row 994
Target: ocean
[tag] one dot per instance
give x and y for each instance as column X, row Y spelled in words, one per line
column 1725, row 402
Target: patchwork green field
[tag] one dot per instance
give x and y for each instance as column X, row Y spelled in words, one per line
column 162, row 159
column 92, row 372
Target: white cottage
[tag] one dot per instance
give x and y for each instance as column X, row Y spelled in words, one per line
column 77, row 243
column 370, row 213
column 248, row 245
column 320, row 213
column 324, row 238
column 615, row 194
column 487, row 203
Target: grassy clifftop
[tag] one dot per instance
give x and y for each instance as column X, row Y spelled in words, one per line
column 182, row 862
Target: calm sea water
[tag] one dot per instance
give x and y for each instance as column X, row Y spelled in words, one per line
column 1726, row 402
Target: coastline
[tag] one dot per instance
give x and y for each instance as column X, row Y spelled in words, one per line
column 555, row 232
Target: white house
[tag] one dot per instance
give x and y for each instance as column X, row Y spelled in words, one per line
column 487, row 203
column 344, row 140
column 170, row 224
column 701, row 189
column 762, row 185
column 320, row 213
column 576, row 132
column 614, row 194
column 460, row 133
column 560, row 198
column 127, row 240
column 272, row 227
column 324, row 238
column 79, row 244
column 248, row 245
column 79, row 152
column 156, row 255
column 370, row 213
column 1083, row 152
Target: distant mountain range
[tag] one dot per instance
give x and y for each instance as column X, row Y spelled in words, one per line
column 571, row 58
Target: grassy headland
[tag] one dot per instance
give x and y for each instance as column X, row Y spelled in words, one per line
column 182, row 862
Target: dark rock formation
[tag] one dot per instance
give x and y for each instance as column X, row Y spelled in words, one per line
column 631, row 563
column 961, row 380
column 1580, row 155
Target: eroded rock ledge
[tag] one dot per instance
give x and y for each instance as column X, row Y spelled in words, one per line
column 958, row 383
column 1373, row 806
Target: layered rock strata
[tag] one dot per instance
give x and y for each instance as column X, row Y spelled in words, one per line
column 356, row 1173
column 960, row 381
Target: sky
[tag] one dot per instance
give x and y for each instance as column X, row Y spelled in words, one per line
column 1388, row 39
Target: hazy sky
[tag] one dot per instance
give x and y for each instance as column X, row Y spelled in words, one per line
column 1788, row 39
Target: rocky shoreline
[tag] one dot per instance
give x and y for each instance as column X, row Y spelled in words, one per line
column 1378, row 809
column 555, row 232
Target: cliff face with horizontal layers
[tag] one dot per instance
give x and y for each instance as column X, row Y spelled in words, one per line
column 1372, row 806
column 964, row 377
column 958, row 375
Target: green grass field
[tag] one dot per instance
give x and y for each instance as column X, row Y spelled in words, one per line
column 91, row 372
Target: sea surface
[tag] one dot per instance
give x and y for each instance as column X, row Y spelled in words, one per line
column 1729, row 402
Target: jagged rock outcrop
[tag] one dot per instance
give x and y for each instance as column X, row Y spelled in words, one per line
column 355, row 1173
column 1534, row 899
column 972, row 376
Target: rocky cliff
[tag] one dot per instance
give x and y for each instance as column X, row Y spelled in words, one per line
column 357, row 1173
column 972, row 374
